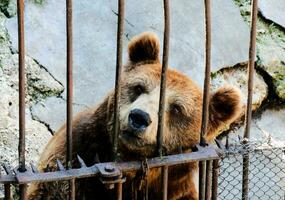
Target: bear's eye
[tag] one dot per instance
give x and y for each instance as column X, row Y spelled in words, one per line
column 175, row 109
column 139, row 89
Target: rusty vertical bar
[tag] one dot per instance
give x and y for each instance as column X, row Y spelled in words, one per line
column 69, row 84
column 206, row 91
column 202, row 179
column 206, row 97
column 245, row 173
column 119, row 191
column 21, row 48
column 120, row 32
column 209, row 166
column 216, row 168
column 165, row 181
column 245, row 180
column 250, row 68
column 163, row 77
column 7, row 192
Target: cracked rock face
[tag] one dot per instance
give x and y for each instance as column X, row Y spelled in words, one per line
column 270, row 40
column 39, row 84
column 269, row 128
column 273, row 11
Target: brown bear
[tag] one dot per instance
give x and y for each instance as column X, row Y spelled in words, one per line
column 140, row 87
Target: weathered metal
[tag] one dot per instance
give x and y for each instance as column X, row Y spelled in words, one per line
column 205, row 153
column 164, row 181
column 206, row 96
column 208, row 186
column 216, row 170
column 251, row 63
column 7, row 192
column 120, row 32
column 163, row 77
column 21, row 48
column 69, row 81
column 69, row 108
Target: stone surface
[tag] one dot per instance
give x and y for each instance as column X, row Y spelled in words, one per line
column 95, row 39
column 269, row 128
column 39, row 84
column 270, row 42
column 272, row 59
column 273, row 10
column 42, row 112
column 238, row 77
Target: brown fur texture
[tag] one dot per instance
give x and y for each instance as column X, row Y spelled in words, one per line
column 92, row 129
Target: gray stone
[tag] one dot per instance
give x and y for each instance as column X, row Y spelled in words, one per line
column 53, row 112
column 271, row 55
column 40, row 84
column 36, row 133
column 273, row 10
column 269, row 128
column 270, row 40
column 237, row 77
column 95, row 39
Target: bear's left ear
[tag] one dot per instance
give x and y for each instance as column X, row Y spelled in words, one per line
column 144, row 47
column 224, row 108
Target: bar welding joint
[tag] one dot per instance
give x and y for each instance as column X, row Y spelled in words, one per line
column 110, row 175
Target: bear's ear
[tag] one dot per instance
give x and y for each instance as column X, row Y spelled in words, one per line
column 144, row 47
column 224, row 108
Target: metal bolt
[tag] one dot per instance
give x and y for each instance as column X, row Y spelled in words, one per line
column 109, row 168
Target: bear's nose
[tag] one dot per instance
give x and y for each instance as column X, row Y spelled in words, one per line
column 138, row 120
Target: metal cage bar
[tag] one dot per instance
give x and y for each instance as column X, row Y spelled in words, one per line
column 120, row 32
column 7, row 192
column 119, row 191
column 207, row 153
column 164, row 182
column 215, row 182
column 248, row 115
column 21, row 48
column 206, row 96
column 208, row 186
column 69, row 83
column 163, row 77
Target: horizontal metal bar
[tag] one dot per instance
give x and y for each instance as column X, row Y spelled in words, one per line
column 204, row 153
column 5, row 179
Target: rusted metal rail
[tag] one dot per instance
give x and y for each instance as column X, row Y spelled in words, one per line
column 250, row 72
column 206, row 153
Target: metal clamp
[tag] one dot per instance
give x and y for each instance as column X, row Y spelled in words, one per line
column 110, row 175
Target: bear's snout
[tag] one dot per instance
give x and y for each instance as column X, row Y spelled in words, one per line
column 138, row 121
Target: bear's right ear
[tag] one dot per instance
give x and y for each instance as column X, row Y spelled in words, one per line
column 144, row 47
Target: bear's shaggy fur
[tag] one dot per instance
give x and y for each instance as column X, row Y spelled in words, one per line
column 92, row 129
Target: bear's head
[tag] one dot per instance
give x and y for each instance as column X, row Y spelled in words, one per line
column 140, row 89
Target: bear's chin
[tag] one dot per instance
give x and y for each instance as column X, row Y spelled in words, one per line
column 135, row 146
